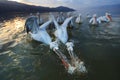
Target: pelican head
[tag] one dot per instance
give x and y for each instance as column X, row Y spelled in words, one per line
column 94, row 15
column 108, row 16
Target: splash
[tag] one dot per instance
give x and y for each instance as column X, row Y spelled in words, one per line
column 76, row 64
column 73, row 66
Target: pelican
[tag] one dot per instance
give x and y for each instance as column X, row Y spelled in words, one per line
column 61, row 30
column 106, row 18
column 37, row 32
column 88, row 16
column 71, row 23
column 78, row 19
column 93, row 20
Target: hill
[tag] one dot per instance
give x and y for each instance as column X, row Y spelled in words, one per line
column 12, row 7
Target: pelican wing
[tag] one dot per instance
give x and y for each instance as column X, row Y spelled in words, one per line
column 66, row 22
column 45, row 25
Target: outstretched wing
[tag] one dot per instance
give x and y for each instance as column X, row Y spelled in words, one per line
column 45, row 25
column 66, row 22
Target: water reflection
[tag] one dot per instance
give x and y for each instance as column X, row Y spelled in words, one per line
column 24, row 59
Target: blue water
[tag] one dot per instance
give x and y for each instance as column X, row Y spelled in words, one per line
column 24, row 59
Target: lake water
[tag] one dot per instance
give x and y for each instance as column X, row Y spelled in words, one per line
column 22, row 58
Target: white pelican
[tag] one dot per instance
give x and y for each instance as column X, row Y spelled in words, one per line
column 88, row 16
column 38, row 33
column 93, row 20
column 61, row 30
column 72, row 21
column 78, row 19
column 106, row 18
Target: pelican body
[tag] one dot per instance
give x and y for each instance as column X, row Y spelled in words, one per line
column 61, row 30
column 78, row 19
column 93, row 20
column 37, row 32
